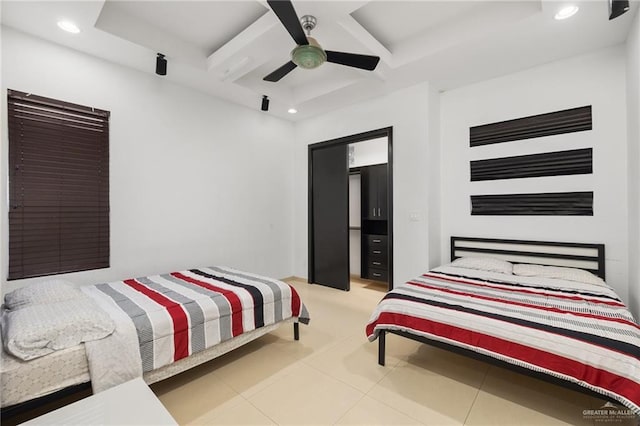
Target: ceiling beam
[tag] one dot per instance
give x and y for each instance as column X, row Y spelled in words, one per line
column 243, row 40
column 357, row 31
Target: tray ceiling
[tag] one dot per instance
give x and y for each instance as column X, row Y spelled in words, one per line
column 225, row 48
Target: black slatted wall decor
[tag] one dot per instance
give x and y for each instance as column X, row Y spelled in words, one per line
column 559, row 163
column 58, row 186
column 576, row 161
column 542, row 204
column 553, row 123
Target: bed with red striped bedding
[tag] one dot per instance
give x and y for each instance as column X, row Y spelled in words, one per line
column 182, row 313
column 579, row 333
column 164, row 325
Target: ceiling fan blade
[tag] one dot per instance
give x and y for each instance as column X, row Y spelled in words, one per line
column 287, row 14
column 280, row 72
column 365, row 62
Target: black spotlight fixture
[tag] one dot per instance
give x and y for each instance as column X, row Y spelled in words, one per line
column 617, row 8
column 161, row 65
column 265, row 103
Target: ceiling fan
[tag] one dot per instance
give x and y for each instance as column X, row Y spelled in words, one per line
column 309, row 54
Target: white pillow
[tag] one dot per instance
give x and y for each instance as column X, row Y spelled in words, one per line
column 484, row 264
column 42, row 292
column 558, row 272
column 38, row 330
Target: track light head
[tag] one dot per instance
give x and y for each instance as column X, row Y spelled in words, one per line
column 161, row 64
column 617, row 8
column 265, row 103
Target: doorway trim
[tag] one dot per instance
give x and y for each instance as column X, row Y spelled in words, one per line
column 346, row 140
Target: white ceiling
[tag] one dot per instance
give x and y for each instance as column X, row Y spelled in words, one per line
column 225, row 48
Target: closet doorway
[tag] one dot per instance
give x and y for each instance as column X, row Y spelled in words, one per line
column 350, row 218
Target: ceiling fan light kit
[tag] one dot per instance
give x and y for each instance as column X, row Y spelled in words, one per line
column 309, row 56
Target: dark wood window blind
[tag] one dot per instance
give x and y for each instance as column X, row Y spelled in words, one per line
column 573, row 162
column 535, row 126
column 541, row 204
column 58, row 186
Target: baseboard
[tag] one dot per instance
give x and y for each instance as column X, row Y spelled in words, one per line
column 293, row 278
column 352, row 277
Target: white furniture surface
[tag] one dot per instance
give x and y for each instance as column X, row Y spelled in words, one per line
column 131, row 403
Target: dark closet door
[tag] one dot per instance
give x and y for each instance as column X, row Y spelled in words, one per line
column 374, row 192
column 369, row 194
column 330, row 187
column 381, row 183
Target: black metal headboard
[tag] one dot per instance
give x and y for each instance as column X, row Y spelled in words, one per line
column 575, row 255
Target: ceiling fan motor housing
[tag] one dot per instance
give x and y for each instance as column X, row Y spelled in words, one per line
column 309, row 56
column 308, row 22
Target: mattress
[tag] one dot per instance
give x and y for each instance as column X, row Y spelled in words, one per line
column 577, row 332
column 208, row 354
column 25, row 380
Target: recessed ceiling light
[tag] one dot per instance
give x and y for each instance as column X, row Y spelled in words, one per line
column 566, row 12
column 69, row 27
column 292, row 110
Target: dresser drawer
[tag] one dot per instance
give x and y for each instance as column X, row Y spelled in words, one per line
column 378, row 274
column 377, row 262
column 377, row 240
column 377, row 251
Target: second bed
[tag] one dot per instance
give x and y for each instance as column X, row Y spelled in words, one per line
column 155, row 327
column 552, row 322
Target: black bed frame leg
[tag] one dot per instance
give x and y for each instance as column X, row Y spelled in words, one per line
column 296, row 331
column 381, row 345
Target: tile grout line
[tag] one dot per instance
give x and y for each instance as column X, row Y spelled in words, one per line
column 350, row 408
column 486, row 373
column 391, row 370
column 261, row 390
column 260, row 411
column 334, row 378
column 306, row 363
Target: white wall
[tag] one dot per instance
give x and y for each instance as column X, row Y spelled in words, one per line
column 597, row 79
column 633, row 118
column 434, row 169
column 407, row 111
column 195, row 181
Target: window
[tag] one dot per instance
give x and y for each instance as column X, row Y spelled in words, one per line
column 58, row 186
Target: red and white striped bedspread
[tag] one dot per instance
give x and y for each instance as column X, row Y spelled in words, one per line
column 578, row 332
column 181, row 313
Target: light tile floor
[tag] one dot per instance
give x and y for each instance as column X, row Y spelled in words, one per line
column 331, row 376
